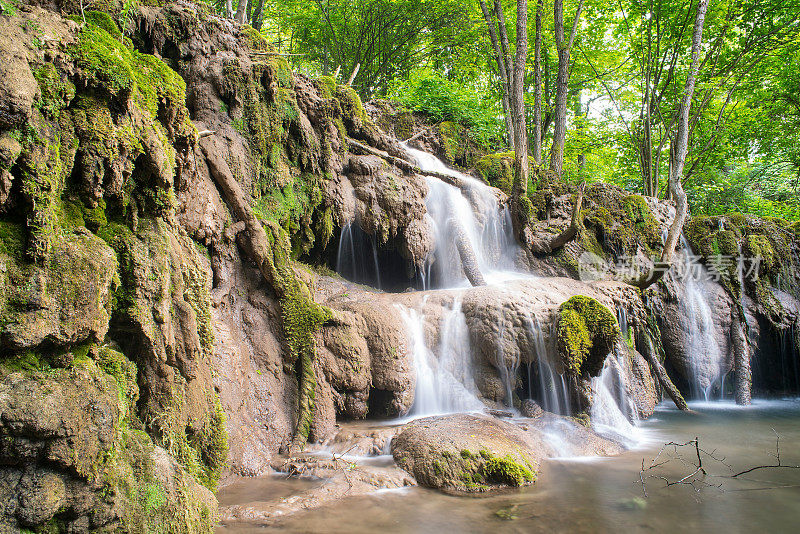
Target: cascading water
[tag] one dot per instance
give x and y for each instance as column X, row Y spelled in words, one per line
column 613, row 413
column 445, row 381
column 702, row 348
column 553, row 395
column 357, row 257
column 477, row 212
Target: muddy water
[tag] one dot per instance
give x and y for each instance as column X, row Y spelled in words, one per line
column 603, row 495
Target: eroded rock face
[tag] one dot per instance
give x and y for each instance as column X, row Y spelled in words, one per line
column 698, row 321
column 65, row 446
column 66, row 303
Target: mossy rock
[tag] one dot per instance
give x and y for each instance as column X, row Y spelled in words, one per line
column 466, row 453
column 586, row 332
column 497, row 170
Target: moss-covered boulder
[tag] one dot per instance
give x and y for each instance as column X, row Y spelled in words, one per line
column 468, row 453
column 64, row 303
column 586, row 332
column 73, row 458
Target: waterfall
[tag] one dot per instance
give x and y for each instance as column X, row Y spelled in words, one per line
column 357, row 257
column 553, row 392
column 702, row 350
column 613, row 412
column 475, row 210
column 445, row 381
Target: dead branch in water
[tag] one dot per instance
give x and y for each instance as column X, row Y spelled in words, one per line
column 699, row 476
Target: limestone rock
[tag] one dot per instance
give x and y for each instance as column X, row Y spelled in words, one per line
column 464, row 452
column 66, row 303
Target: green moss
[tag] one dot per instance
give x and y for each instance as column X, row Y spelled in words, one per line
column 42, row 183
column 498, row 170
column 254, row 39
column 55, row 91
column 351, row 105
column 587, row 331
column 507, row 471
column 640, row 214
column 12, row 239
column 101, row 19
column 123, row 370
column 112, row 67
column 327, row 86
column 452, row 139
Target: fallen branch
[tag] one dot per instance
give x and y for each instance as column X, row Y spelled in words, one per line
column 415, row 136
column 699, row 473
column 408, row 166
column 648, row 351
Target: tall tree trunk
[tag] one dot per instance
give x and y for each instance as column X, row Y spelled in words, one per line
column 564, row 48
column 682, row 138
column 518, row 104
column 537, row 83
column 241, row 12
column 502, row 67
column 257, row 20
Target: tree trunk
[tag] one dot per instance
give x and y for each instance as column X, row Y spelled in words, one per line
column 518, row 104
column 645, row 342
column 741, row 357
column 537, row 83
column 562, row 80
column 257, row 20
column 677, row 159
column 550, row 244
column 682, row 139
column 503, row 69
column 468, row 259
column 241, row 12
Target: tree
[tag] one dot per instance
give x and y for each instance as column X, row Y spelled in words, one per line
column 562, row 81
column 537, row 86
column 387, row 38
column 513, row 89
column 679, row 148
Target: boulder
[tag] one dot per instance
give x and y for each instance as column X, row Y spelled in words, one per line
column 467, row 452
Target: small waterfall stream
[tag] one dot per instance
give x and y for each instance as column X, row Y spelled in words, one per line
column 702, row 347
column 357, row 257
column 445, row 381
column 486, row 225
column 613, row 412
column 553, row 393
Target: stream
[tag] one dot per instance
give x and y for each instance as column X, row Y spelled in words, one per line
column 597, row 494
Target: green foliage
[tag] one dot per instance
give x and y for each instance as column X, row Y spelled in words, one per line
column 387, row 38
column 8, row 7
column 445, row 100
column 587, row 331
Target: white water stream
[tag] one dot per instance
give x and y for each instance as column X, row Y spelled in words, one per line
column 486, row 224
column 702, row 346
column 444, row 378
column 445, row 382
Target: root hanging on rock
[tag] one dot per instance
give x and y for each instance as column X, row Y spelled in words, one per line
column 301, row 316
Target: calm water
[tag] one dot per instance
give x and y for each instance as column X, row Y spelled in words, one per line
column 605, row 495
